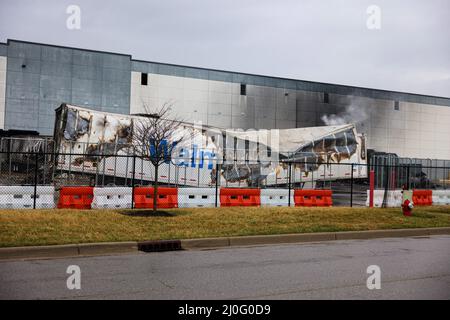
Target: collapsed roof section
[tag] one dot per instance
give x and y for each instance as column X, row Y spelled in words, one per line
column 80, row 130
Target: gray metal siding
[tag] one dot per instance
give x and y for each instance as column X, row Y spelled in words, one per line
column 236, row 77
column 3, row 49
column 41, row 77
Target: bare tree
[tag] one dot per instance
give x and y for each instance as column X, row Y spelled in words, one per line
column 154, row 137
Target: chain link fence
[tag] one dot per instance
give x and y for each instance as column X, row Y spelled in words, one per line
column 26, row 176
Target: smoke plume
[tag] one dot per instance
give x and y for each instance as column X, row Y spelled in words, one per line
column 352, row 114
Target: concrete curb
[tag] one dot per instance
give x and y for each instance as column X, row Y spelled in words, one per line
column 67, row 250
column 39, row 252
column 106, row 248
column 309, row 237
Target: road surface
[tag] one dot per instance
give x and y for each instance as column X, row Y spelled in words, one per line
column 411, row 268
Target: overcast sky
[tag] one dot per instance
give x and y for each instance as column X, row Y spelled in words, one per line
column 326, row 41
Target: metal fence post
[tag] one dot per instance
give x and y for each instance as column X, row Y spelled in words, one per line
column 289, row 184
column 407, row 176
column 444, row 176
column 36, row 162
column 351, row 186
column 386, row 184
column 217, row 183
column 132, row 181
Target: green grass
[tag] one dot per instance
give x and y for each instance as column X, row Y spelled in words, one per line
column 47, row 227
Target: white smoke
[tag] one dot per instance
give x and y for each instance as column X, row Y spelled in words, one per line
column 352, row 114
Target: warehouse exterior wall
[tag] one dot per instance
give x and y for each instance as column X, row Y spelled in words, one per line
column 2, row 90
column 39, row 78
column 3, row 59
column 411, row 130
column 216, row 103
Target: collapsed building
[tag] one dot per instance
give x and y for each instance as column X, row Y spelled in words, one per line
column 89, row 141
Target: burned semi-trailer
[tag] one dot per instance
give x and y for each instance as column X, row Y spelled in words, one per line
column 96, row 143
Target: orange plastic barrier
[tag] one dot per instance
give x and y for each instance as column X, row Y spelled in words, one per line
column 313, row 198
column 422, row 197
column 167, row 197
column 235, row 197
column 76, row 197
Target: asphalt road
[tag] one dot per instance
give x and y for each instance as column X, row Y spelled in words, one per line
column 411, row 268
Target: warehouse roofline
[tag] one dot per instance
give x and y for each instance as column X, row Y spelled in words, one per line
column 260, row 80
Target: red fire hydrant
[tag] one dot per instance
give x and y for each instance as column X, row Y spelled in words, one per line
column 407, row 204
column 407, row 207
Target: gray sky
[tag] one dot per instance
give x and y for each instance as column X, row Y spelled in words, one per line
column 326, row 41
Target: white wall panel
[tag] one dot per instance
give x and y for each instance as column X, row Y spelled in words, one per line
column 218, row 97
column 195, row 95
column 196, row 84
column 415, row 130
column 2, row 91
column 170, row 82
column 220, row 87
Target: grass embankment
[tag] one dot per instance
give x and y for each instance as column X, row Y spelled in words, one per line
column 47, row 227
